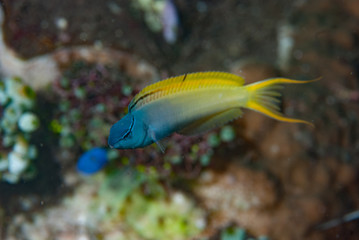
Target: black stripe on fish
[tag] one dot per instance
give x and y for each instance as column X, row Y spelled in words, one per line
column 150, row 93
column 144, row 96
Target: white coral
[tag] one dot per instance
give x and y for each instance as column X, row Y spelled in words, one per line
column 17, row 163
column 28, row 122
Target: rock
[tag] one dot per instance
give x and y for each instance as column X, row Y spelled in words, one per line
column 239, row 189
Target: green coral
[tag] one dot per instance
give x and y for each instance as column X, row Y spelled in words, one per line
column 139, row 202
column 159, row 218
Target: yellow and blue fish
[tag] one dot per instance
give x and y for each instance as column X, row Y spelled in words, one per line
column 192, row 104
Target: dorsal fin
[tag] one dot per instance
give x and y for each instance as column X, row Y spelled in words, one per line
column 184, row 83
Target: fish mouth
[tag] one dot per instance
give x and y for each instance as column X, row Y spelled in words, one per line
column 112, row 143
column 115, row 143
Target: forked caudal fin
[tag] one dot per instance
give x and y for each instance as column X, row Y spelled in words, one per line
column 263, row 98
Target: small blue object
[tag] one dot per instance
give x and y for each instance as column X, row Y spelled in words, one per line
column 92, row 161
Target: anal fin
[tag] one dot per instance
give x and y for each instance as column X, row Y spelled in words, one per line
column 207, row 123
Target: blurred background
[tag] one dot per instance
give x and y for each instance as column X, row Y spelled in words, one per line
column 69, row 69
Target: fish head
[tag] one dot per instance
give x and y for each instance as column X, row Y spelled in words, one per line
column 127, row 133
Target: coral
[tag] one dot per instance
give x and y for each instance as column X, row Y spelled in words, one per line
column 239, row 188
column 160, row 218
column 160, row 15
column 240, row 195
column 149, row 211
column 122, row 204
column 16, row 125
column 87, row 105
column 28, row 122
column 152, row 12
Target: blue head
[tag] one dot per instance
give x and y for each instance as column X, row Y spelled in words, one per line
column 129, row 132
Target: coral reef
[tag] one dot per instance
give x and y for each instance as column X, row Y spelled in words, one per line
column 150, row 212
column 254, row 174
column 16, row 125
column 124, row 204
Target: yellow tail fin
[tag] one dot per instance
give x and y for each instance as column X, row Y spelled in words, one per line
column 262, row 98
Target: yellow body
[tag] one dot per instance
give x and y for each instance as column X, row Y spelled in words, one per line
column 200, row 95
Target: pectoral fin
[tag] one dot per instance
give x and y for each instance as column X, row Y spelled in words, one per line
column 158, row 142
column 161, row 146
column 210, row 122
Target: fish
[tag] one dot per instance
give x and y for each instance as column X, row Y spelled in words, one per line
column 92, row 161
column 195, row 103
